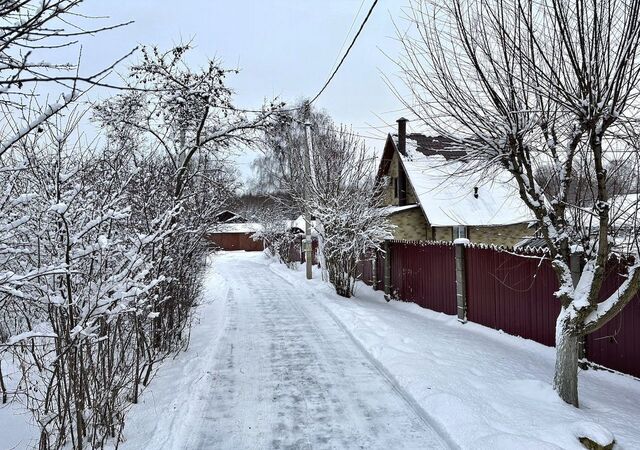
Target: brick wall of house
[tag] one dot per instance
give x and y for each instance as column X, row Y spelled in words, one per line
column 411, row 195
column 507, row 235
column 443, row 234
column 389, row 197
column 410, row 225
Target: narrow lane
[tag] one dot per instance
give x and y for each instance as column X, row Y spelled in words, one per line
column 287, row 376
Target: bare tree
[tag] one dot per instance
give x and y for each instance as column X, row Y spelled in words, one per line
column 185, row 112
column 31, row 32
column 80, row 327
column 340, row 192
column 279, row 169
column 280, row 240
column 187, row 116
column 551, row 84
column 347, row 204
column 101, row 247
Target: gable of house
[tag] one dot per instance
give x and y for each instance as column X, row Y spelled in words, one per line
column 453, row 199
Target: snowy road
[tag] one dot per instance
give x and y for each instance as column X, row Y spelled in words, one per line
column 286, row 375
column 277, row 361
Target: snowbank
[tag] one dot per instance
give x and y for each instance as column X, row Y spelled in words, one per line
column 179, row 383
column 16, row 428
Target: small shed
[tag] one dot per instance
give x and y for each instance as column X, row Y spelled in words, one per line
column 236, row 236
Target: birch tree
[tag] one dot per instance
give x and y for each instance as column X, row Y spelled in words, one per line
column 526, row 84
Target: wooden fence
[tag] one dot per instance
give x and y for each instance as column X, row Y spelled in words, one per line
column 506, row 291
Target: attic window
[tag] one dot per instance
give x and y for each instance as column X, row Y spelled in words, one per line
column 395, row 187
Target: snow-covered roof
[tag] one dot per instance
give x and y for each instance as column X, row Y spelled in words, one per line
column 252, row 227
column 397, row 209
column 300, row 224
column 230, row 217
column 247, row 227
column 451, row 192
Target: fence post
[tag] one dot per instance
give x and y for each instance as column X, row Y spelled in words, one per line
column 575, row 265
column 374, row 270
column 461, row 285
column 387, row 268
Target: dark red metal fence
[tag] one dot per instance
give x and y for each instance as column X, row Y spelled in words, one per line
column 296, row 250
column 617, row 343
column 235, row 241
column 508, row 291
column 425, row 274
column 512, row 293
column 366, row 268
column 380, row 257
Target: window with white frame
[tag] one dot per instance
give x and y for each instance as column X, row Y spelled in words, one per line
column 460, row 232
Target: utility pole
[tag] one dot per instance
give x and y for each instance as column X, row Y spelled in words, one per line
column 308, row 243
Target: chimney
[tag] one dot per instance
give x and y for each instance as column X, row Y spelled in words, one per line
column 402, row 135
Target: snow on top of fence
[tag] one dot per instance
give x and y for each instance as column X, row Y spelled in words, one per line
column 247, row 227
column 422, row 243
column 523, row 251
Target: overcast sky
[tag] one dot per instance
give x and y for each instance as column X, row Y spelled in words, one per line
column 283, row 48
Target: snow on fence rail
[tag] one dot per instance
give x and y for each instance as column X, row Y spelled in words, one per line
column 507, row 290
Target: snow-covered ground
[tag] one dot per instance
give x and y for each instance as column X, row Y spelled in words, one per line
column 296, row 366
column 277, row 361
column 486, row 389
column 16, row 428
column 269, row 367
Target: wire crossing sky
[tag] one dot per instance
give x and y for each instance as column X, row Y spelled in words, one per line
column 284, row 49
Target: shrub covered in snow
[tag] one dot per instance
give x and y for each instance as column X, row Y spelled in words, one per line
column 101, row 245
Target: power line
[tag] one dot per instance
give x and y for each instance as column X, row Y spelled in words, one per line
column 355, row 38
column 333, row 74
column 346, row 38
column 335, row 71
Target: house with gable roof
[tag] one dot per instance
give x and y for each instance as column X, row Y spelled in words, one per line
column 435, row 194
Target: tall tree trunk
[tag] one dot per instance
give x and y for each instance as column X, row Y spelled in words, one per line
column 565, row 380
column 3, row 388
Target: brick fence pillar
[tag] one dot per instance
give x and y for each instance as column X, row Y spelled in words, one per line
column 461, row 285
